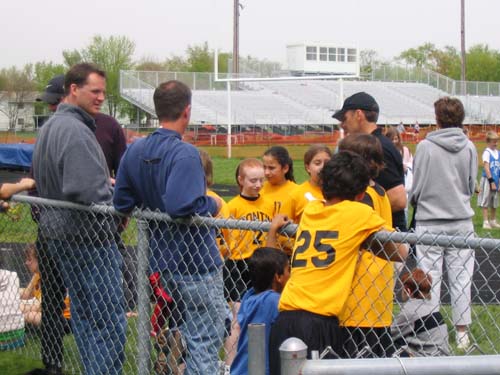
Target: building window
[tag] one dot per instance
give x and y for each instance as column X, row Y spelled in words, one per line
column 341, row 54
column 332, row 54
column 351, row 55
column 323, row 54
column 20, row 121
column 311, row 53
column 20, row 105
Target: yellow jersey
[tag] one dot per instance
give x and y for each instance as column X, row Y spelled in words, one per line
column 37, row 293
column 280, row 196
column 221, row 233
column 371, row 299
column 325, row 255
column 242, row 243
column 301, row 196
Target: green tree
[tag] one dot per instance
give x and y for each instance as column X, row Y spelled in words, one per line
column 176, row 64
column 368, row 59
column 44, row 72
column 200, row 58
column 448, row 62
column 483, row 64
column 110, row 54
column 422, row 56
column 72, row 57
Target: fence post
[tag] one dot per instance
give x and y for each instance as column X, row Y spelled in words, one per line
column 256, row 349
column 143, row 293
column 293, row 354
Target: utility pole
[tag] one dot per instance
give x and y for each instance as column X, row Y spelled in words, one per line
column 462, row 44
column 236, row 36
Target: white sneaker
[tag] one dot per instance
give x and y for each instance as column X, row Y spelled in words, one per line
column 487, row 225
column 463, row 341
column 494, row 224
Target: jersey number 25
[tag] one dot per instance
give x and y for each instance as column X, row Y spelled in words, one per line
column 327, row 252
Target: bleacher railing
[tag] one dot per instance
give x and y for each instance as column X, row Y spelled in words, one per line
column 386, row 72
column 146, row 349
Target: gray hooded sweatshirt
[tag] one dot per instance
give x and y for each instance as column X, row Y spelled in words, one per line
column 444, row 176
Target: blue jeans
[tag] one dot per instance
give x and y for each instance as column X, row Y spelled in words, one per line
column 93, row 276
column 200, row 315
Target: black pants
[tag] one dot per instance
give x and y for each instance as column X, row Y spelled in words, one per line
column 367, row 342
column 316, row 331
column 53, row 294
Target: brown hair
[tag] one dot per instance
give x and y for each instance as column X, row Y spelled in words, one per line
column 418, row 283
column 449, row 112
column 391, row 133
column 250, row 162
column 78, row 75
column 208, row 166
column 313, row 151
column 368, row 147
column 371, row 116
column 30, row 251
column 491, row 135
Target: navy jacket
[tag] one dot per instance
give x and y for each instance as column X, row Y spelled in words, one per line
column 161, row 172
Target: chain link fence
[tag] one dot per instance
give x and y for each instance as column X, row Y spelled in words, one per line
column 179, row 320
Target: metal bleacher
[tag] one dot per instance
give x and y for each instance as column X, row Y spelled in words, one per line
column 306, row 102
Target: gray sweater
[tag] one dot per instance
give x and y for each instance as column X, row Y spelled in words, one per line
column 69, row 165
column 444, row 176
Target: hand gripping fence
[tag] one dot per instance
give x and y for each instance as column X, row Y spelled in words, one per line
column 82, row 290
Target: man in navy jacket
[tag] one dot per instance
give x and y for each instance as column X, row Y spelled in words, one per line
column 161, row 172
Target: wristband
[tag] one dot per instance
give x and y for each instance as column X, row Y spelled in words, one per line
column 491, row 180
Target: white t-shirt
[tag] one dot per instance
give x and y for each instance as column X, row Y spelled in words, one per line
column 11, row 317
column 487, row 152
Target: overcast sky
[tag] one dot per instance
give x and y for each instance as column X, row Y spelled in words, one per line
column 34, row 30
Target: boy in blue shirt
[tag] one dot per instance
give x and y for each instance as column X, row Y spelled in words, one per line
column 269, row 271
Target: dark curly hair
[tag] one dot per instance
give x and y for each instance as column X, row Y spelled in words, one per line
column 344, row 176
column 449, row 112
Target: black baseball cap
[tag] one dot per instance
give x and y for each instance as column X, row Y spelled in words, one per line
column 360, row 100
column 54, row 91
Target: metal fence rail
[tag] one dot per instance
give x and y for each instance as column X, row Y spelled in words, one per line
column 148, row 347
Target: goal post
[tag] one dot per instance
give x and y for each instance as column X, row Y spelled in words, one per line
column 230, row 79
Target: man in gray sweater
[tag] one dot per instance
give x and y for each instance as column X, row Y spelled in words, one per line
column 444, row 176
column 69, row 165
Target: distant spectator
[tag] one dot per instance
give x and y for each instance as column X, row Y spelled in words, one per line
column 416, row 129
column 419, row 332
column 445, row 170
column 401, row 128
column 489, row 184
column 405, row 152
